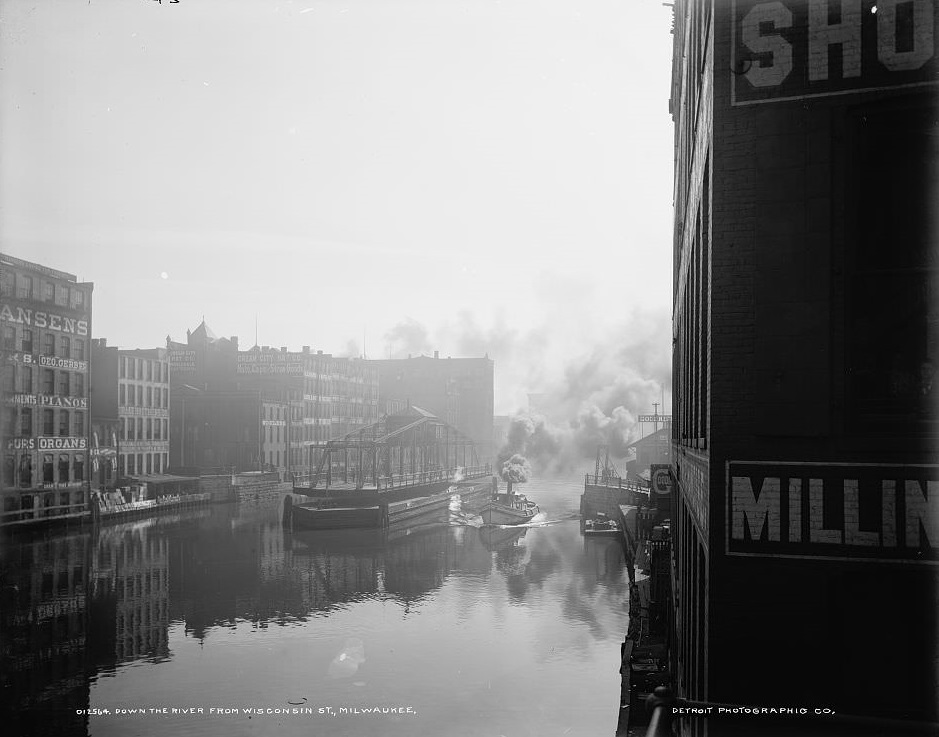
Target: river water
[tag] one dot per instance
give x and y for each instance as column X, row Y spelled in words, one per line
column 445, row 629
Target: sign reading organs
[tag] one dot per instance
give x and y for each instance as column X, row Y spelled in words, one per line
column 829, row 510
column 793, row 49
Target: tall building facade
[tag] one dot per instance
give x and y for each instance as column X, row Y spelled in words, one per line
column 805, row 352
column 264, row 407
column 130, row 402
column 45, row 333
column 457, row 390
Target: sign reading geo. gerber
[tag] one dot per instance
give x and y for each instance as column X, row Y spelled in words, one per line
column 792, row 49
column 830, row 510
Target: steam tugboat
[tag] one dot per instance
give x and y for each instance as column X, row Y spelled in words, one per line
column 509, row 508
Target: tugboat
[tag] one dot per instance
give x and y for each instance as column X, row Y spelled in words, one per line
column 508, row 508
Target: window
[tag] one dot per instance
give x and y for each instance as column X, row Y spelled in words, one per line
column 64, row 383
column 166, row 434
column 9, row 378
column 140, row 428
column 61, row 295
column 120, row 465
column 47, row 469
column 131, row 425
column 48, row 291
column 123, row 428
column 78, row 468
column 149, row 397
column 139, row 395
column 48, row 381
column 9, row 338
column 79, row 385
column 65, row 346
column 78, row 349
column 140, row 463
column 9, row 422
column 48, row 422
column 26, row 473
column 166, row 398
column 78, row 424
column 48, row 344
column 26, row 344
column 123, row 396
column 27, row 380
column 149, row 463
column 149, row 429
column 122, row 364
column 26, row 422
column 6, row 282
column 63, row 468
column 9, row 471
column 63, row 423
column 78, row 299
column 131, row 467
column 24, row 286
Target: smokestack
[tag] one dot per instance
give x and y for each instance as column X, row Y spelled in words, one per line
column 319, row 353
column 283, row 349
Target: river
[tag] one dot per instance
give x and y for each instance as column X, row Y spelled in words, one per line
column 443, row 630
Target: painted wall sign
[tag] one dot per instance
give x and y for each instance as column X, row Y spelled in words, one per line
column 293, row 369
column 661, row 478
column 181, row 360
column 655, row 418
column 50, row 320
column 46, row 400
column 54, row 273
column 693, row 485
column 799, row 48
column 274, row 423
column 63, row 443
column 21, row 444
column 849, row 511
column 28, row 359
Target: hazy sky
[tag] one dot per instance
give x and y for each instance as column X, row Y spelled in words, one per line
column 489, row 174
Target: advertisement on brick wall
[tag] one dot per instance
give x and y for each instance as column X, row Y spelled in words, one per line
column 798, row 48
column 843, row 511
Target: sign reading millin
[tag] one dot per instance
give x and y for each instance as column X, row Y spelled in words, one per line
column 792, row 49
column 814, row 510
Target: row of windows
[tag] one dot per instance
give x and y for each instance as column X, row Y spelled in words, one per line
column 20, row 422
column 46, row 342
column 131, row 395
column 54, row 468
column 24, row 286
column 66, row 384
column 131, row 464
column 151, row 428
column 144, row 369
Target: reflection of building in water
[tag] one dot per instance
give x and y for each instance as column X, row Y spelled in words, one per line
column 44, row 618
column 130, row 571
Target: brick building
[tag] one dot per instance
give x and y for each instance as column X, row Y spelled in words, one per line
column 457, row 390
column 129, row 411
column 45, row 329
column 805, row 346
column 264, row 407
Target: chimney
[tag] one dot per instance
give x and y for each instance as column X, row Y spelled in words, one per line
column 283, row 349
column 306, row 349
column 319, row 353
column 436, row 354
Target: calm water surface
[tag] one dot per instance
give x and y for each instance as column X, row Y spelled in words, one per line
column 512, row 631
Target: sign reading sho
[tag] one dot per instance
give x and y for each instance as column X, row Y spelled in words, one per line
column 792, row 49
column 833, row 511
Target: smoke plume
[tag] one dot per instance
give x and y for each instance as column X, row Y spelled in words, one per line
column 515, row 469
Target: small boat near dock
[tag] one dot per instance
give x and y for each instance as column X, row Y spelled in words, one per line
column 601, row 525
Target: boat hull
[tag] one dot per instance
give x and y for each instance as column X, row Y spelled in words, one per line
column 495, row 512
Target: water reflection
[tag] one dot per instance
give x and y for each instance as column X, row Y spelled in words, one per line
column 77, row 609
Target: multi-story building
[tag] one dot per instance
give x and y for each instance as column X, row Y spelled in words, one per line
column 457, row 390
column 45, row 329
column 805, row 349
column 130, row 407
column 262, row 407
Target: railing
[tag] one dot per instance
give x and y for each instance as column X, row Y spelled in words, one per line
column 662, row 705
column 613, row 482
column 397, row 480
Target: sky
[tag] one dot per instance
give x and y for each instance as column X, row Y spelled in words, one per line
column 362, row 176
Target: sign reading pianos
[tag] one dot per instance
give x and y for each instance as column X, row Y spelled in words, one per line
column 829, row 510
